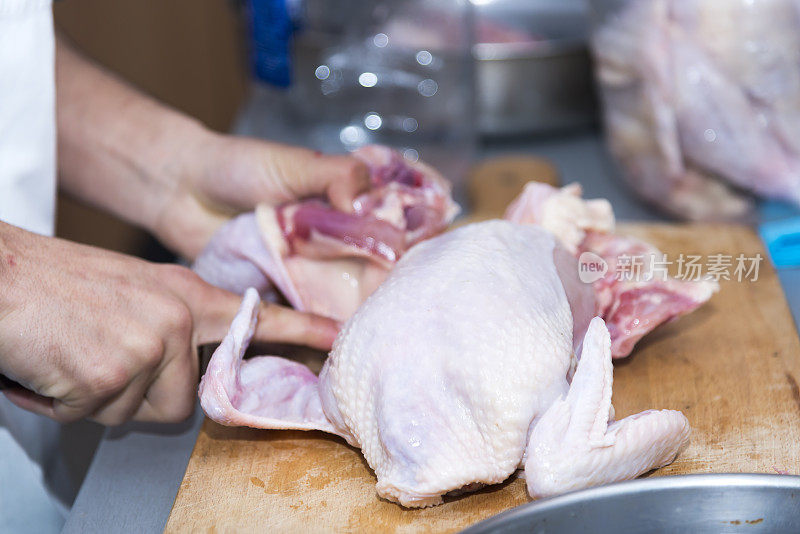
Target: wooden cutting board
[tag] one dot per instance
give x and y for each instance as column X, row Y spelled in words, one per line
column 732, row 367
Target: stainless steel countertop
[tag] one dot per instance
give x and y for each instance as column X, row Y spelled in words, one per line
column 137, row 469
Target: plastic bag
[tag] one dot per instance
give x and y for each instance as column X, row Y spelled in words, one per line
column 702, row 100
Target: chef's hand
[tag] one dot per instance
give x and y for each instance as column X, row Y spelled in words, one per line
column 109, row 337
column 151, row 165
column 225, row 175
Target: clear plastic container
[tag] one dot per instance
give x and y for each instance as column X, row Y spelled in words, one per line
column 397, row 73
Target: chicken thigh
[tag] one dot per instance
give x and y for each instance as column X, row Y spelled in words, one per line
column 323, row 260
column 456, row 372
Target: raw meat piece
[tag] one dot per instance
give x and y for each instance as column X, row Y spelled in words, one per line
column 454, row 373
column 562, row 212
column 263, row 392
column 577, row 443
column 631, row 305
column 702, row 94
column 323, row 260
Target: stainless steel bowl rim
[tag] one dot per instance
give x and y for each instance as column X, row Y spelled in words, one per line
column 676, row 482
column 533, row 50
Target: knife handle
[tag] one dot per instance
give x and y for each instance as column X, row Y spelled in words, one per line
column 7, row 383
column 204, row 353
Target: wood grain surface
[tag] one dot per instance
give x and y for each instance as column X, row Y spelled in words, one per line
column 732, row 367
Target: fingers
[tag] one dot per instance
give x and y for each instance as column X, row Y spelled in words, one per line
column 276, row 324
column 346, row 178
column 172, row 394
column 301, row 173
column 47, row 406
column 161, row 387
column 213, row 309
column 122, row 406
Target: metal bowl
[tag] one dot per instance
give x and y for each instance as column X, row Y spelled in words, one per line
column 674, row 504
column 540, row 86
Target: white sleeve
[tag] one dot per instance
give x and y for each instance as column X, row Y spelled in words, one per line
column 27, row 115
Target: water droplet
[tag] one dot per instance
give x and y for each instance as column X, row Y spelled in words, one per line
column 380, row 40
column 424, row 57
column 322, row 72
column 710, row 135
column 427, row 87
column 368, row 79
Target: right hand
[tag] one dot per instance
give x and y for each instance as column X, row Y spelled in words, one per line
column 109, row 337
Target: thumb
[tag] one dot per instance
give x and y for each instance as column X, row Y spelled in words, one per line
column 300, row 173
column 213, row 309
column 344, row 178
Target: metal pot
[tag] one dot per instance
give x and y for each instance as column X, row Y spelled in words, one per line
column 671, row 504
column 538, row 86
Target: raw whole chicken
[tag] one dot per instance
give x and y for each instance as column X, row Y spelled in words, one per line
column 701, row 95
column 630, row 305
column 323, row 260
column 476, row 357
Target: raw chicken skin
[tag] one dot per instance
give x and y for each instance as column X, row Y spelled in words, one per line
column 323, row 260
column 262, row 392
column 631, row 306
column 577, row 444
column 453, row 374
column 480, row 343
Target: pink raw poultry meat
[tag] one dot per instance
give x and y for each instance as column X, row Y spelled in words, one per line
column 457, row 371
column 323, row 260
column 632, row 305
column 479, row 355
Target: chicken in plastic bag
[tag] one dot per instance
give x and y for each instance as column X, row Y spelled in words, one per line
column 702, row 100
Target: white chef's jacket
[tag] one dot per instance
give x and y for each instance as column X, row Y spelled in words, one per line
column 28, row 442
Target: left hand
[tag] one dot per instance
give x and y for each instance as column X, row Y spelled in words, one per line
column 226, row 175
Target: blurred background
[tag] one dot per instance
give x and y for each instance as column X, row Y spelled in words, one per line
column 699, row 101
column 187, row 53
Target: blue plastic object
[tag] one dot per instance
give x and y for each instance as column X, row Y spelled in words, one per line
column 782, row 239
column 271, row 30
